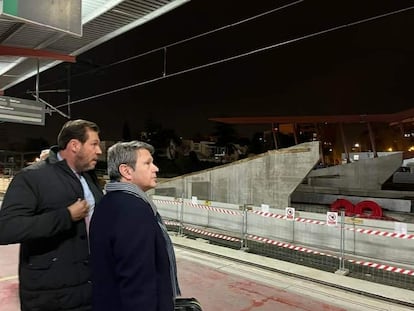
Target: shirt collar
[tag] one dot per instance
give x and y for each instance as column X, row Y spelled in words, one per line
column 61, row 159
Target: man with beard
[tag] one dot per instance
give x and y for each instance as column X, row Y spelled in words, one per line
column 46, row 209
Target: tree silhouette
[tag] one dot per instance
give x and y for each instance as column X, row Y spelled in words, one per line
column 36, row 144
column 126, row 132
column 225, row 134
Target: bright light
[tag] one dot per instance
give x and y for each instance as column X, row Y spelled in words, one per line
column 356, row 145
column 411, row 148
column 389, row 149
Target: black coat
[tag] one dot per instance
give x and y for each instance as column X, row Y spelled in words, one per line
column 130, row 264
column 54, row 269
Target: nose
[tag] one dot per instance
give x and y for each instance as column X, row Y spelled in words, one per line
column 99, row 150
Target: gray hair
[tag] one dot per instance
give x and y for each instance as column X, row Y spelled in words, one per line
column 124, row 153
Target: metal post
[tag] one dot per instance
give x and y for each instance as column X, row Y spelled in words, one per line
column 341, row 259
column 164, row 73
column 341, row 128
column 180, row 228
column 295, row 133
column 68, row 92
column 372, row 139
column 342, row 269
column 37, row 79
column 243, row 235
column 274, row 136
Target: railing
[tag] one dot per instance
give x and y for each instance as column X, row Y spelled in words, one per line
column 365, row 248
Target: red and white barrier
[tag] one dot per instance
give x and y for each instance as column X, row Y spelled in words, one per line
column 382, row 267
column 295, row 248
column 297, row 219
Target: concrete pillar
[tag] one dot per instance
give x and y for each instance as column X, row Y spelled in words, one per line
column 372, row 139
column 341, row 128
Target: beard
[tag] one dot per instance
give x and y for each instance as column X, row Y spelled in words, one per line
column 83, row 163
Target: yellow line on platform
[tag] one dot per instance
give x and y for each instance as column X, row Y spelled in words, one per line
column 8, row 278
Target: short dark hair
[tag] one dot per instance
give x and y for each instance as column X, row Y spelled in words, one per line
column 75, row 129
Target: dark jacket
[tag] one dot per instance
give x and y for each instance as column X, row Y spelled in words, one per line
column 54, row 273
column 129, row 260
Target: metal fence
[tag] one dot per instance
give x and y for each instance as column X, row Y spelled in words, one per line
column 362, row 248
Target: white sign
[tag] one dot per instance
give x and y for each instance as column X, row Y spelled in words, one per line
column 400, row 227
column 265, row 208
column 332, row 218
column 194, row 200
column 290, row 213
column 21, row 110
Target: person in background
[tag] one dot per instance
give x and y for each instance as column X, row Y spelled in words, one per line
column 44, row 154
column 46, row 209
column 132, row 256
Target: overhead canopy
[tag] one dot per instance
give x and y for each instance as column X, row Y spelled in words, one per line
column 392, row 118
column 22, row 44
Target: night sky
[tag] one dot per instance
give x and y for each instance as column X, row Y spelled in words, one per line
column 362, row 68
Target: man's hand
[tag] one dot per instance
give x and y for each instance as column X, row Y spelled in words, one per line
column 79, row 210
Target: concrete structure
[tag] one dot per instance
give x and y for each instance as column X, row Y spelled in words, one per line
column 357, row 181
column 368, row 173
column 268, row 178
column 279, row 177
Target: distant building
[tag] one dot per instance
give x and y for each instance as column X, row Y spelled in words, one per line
column 356, row 156
column 204, row 148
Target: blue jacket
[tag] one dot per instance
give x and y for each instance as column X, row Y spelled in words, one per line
column 129, row 260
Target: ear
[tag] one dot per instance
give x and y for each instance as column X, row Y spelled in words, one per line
column 74, row 145
column 125, row 171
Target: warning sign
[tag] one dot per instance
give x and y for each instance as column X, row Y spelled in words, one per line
column 331, row 218
column 290, row 213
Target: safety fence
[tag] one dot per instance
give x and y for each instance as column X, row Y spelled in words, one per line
column 375, row 250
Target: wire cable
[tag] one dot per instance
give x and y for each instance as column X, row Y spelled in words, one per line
column 238, row 56
column 184, row 40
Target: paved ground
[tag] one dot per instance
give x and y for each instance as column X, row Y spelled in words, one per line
column 216, row 289
column 224, row 285
column 221, row 291
column 8, row 278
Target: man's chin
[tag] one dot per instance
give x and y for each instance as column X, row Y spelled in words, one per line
column 90, row 167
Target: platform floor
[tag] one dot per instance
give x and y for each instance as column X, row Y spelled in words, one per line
column 222, row 284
